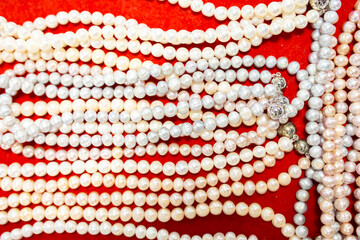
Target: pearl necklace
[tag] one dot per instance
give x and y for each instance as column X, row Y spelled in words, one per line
column 267, row 154
column 140, row 198
column 120, row 32
column 247, row 11
column 352, row 127
column 288, row 231
column 229, row 208
column 126, row 214
column 337, row 191
column 333, row 159
column 130, row 138
column 327, row 231
column 155, row 184
column 106, row 228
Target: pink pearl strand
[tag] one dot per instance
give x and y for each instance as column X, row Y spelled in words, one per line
column 353, row 97
column 338, row 173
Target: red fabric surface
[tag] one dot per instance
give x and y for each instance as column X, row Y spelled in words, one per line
column 295, row 46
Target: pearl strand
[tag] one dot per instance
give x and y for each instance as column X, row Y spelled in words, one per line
column 229, row 208
column 341, row 203
column 197, row 36
column 259, row 12
column 106, row 228
column 328, row 17
column 267, row 154
column 140, row 199
column 9, row 135
column 352, row 127
column 313, row 128
column 155, row 184
column 138, row 214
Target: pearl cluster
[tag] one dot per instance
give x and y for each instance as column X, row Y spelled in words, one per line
column 139, row 116
column 106, row 118
column 329, row 137
column 29, row 42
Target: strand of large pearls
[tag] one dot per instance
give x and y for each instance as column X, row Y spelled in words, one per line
column 154, row 184
column 137, row 214
column 229, row 208
column 106, row 228
column 128, row 197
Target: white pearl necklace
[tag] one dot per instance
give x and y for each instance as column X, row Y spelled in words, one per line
column 252, row 36
column 261, row 11
column 267, row 154
column 106, row 228
column 310, row 89
column 97, row 179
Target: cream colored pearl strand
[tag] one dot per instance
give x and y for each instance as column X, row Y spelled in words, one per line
column 157, row 50
column 267, row 154
column 154, row 184
column 106, row 228
column 151, row 215
column 336, row 179
column 128, row 197
column 353, row 96
column 201, row 210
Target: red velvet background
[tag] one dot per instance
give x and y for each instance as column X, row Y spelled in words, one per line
column 295, row 46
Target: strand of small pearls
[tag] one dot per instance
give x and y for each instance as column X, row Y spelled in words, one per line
column 142, row 74
column 352, row 127
column 6, row 99
column 209, row 63
column 138, row 214
column 267, row 154
column 224, row 142
column 202, row 210
column 205, row 79
column 259, row 12
column 140, row 199
column 20, row 49
column 130, row 140
column 106, row 228
column 162, row 149
column 154, row 184
column 340, row 189
column 165, row 130
column 318, row 70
